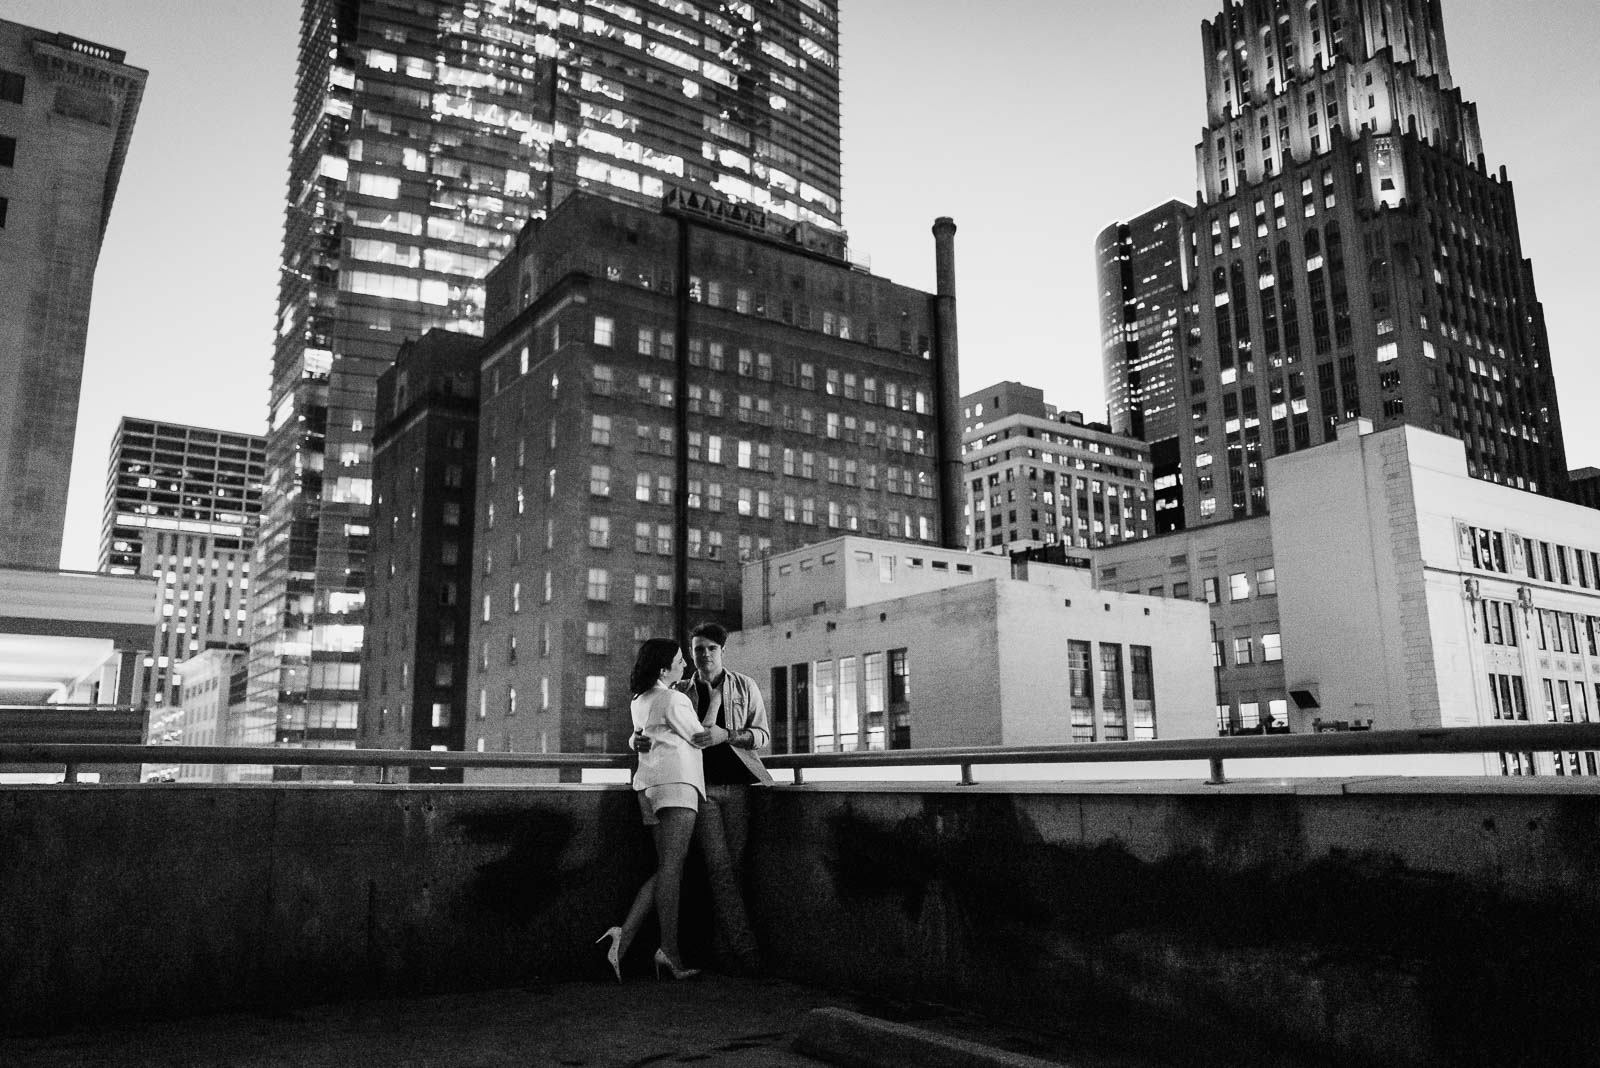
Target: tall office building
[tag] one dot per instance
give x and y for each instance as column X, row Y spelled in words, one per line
column 425, row 133
column 181, row 506
column 1037, row 476
column 67, row 108
column 1143, row 269
column 1355, row 257
column 667, row 395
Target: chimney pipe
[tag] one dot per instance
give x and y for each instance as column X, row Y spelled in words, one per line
column 947, row 386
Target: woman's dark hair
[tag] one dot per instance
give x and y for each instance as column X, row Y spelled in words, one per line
column 654, row 655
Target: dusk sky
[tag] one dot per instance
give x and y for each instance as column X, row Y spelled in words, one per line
column 1033, row 123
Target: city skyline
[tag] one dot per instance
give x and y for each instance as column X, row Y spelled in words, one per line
column 925, row 131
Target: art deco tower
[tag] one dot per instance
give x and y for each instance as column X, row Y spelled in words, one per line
column 1354, row 256
column 426, row 132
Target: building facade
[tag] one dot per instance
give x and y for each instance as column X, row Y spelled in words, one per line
column 211, row 701
column 1465, row 603
column 667, row 396
column 424, row 473
column 1354, row 258
column 867, row 644
column 1229, row 568
column 181, row 506
column 1036, row 476
column 67, row 108
column 1143, row 271
column 425, row 133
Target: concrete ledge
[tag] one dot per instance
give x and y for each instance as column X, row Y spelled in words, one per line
column 852, row 1040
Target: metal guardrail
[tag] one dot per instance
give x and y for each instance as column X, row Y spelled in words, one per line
column 1533, row 737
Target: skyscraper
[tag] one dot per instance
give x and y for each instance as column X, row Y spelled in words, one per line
column 181, row 505
column 1142, row 267
column 67, row 108
column 425, row 133
column 1354, row 257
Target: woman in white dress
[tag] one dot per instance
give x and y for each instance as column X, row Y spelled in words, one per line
column 670, row 783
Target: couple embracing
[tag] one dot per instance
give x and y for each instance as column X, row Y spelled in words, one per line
column 697, row 740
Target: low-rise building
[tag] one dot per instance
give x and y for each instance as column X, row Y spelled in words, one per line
column 868, row 644
column 1407, row 593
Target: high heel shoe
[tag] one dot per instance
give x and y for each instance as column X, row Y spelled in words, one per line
column 664, row 961
column 613, row 956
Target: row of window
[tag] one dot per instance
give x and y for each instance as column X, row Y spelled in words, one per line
column 750, row 363
column 12, row 87
column 1112, row 698
column 1244, row 650
column 859, row 702
column 1538, row 559
column 1248, row 717
column 1565, row 700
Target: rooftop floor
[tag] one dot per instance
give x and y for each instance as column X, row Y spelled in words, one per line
column 710, row 1021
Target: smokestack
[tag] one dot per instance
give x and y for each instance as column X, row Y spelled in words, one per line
column 947, row 386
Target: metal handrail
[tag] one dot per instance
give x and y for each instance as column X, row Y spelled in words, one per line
column 1533, row 737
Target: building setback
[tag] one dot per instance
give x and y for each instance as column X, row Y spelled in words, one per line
column 1036, row 476
column 1354, row 257
column 419, row 598
column 181, row 506
column 866, row 644
column 67, row 109
column 666, row 396
column 425, row 133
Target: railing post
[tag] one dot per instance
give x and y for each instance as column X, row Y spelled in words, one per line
column 966, row 775
column 1217, row 778
column 71, row 773
column 799, row 775
column 386, row 775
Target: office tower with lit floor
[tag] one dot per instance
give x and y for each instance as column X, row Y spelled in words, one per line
column 1354, row 256
column 425, row 133
column 67, row 108
column 181, row 505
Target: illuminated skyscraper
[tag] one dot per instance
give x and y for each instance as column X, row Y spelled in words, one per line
column 67, row 109
column 1354, row 256
column 425, row 133
column 1142, row 268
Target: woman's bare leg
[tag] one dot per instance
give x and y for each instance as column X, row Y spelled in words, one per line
column 643, row 902
column 673, row 835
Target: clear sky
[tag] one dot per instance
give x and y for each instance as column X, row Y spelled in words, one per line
column 1033, row 123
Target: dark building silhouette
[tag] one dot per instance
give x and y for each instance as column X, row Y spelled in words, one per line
column 1353, row 257
column 425, row 133
column 419, row 593
column 666, row 395
column 67, row 109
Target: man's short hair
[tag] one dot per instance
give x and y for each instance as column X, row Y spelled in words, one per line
column 715, row 633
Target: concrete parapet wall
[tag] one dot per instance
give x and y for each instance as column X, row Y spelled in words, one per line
column 1419, row 921
column 178, row 899
column 1423, row 922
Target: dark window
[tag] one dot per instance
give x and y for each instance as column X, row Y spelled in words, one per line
column 11, row 87
column 8, row 151
column 3, row 203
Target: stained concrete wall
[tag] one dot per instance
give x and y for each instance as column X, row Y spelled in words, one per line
column 1418, row 922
